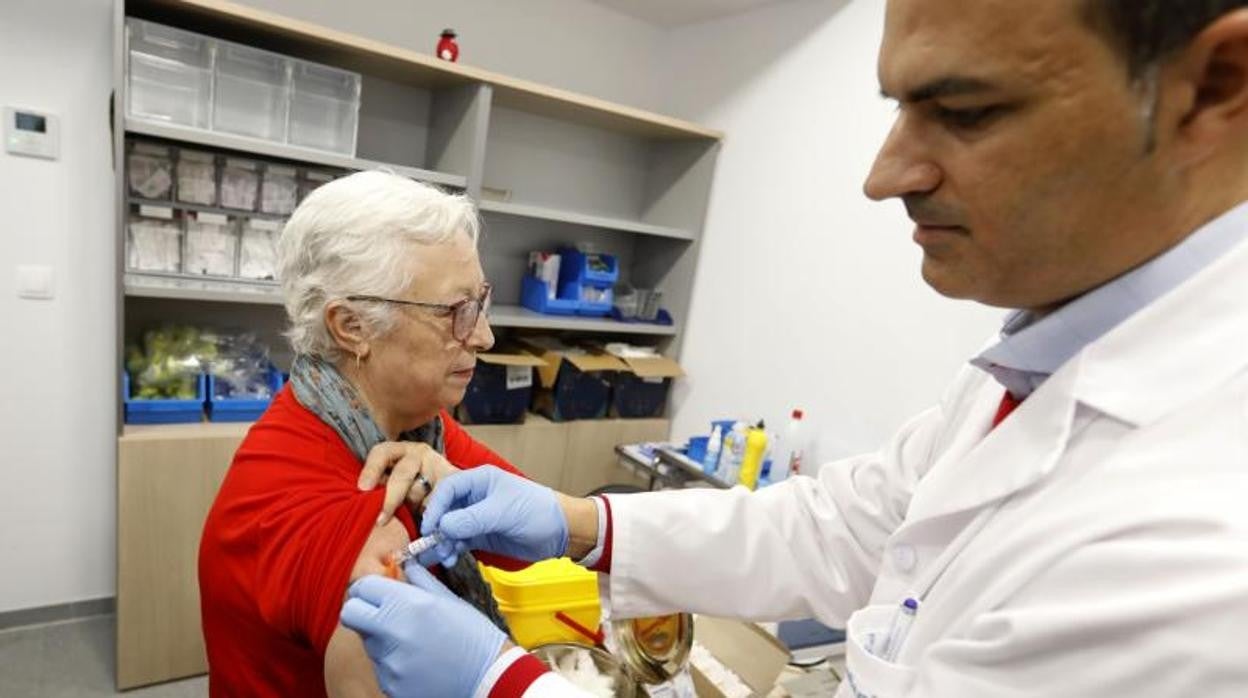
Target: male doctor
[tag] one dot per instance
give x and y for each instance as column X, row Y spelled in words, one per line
column 1071, row 519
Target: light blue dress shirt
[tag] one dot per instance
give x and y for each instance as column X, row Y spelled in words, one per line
column 1032, row 349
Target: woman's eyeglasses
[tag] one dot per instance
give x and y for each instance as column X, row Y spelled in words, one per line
column 464, row 314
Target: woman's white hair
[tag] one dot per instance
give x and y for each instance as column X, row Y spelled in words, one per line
column 353, row 236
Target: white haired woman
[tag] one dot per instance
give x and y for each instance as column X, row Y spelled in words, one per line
column 386, row 300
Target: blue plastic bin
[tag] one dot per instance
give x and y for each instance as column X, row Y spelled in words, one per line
column 159, row 410
column 534, row 297
column 242, row 409
column 578, row 270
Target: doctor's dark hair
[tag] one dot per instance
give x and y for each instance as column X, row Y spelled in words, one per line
column 1146, row 32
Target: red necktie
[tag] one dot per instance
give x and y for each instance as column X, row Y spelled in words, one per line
column 1008, row 403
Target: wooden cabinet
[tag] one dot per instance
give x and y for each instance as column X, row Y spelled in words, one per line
column 167, row 478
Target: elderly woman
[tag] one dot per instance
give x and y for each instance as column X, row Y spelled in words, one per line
column 386, row 301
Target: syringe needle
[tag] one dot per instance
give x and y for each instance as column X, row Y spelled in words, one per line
column 417, row 547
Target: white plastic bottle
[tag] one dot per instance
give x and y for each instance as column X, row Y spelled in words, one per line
column 731, row 454
column 791, row 449
column 711, row 460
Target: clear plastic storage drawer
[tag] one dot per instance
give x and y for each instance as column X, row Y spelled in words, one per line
column 252, row 92
column 170, row 74
column 324, row 107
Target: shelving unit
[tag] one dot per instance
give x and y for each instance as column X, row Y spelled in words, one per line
column 592, row 221
column 514, row 316
column 577, row 170
column 192, row 288
column 281, row 151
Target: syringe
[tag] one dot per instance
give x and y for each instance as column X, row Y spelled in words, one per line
column 416, row 547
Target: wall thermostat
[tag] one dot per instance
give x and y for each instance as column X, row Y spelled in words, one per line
column 32, row 133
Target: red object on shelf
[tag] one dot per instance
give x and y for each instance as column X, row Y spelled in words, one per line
column 448, row 50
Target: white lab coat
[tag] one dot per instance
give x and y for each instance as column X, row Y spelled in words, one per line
column 1096, row 541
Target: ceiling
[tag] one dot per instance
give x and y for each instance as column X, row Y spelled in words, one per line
column 674, row 13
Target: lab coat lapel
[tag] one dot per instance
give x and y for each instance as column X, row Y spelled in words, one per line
column 1183, row 346
column 982, row 466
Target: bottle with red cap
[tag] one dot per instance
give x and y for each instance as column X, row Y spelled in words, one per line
column 791, row 449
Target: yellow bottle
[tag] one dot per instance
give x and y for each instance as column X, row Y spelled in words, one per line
column 752, row 461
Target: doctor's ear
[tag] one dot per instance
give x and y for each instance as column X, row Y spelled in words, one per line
column 1208, row 84
column 347, row 328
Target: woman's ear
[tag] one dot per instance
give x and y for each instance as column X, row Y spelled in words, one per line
column 347, row 329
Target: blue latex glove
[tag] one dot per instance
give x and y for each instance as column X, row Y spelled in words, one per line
column 490, row 509
column 423, row 640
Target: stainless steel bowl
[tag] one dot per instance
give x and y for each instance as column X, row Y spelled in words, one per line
column 654, row 649
column 625, row 686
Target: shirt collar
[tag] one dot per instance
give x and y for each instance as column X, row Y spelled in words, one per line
column 1033, row 348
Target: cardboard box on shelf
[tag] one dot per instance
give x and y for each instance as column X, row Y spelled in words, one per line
column 641, row 390
column 501, row 388
column 574, row 383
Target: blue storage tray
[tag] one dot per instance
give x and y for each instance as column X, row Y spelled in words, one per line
column 533, row 296
column 574, row 267
column 161, row 411
column 243, row 409
column 572, row 290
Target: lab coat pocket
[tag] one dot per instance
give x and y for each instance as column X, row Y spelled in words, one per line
column 869, row 676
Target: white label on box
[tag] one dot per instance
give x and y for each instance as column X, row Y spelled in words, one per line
column 652, row 380
column 262, row 224
column 519, row 377
column 212, row 218
column 156, row 212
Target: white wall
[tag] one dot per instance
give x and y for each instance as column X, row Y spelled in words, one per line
column 57, row 409
column 807, row 293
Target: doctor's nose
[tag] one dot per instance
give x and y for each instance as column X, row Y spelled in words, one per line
column 899, row 169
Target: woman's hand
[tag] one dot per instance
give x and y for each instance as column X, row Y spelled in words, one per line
column 410, row 471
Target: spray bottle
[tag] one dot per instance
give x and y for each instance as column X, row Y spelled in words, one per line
column 711, row 460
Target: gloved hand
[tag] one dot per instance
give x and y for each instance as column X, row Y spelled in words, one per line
column 423, row 640
column 490, row 509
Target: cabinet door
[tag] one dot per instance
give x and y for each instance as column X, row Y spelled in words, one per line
column 537, row 447
column 164, row 490
column 592, row 461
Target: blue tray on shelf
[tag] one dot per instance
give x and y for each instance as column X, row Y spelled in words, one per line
column 533, row 295
column 162, row 410
column 241, row 409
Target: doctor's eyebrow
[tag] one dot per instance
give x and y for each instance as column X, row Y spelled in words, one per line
column 948, row 86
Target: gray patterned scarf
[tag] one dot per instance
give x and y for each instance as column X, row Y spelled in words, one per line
column 320, row 388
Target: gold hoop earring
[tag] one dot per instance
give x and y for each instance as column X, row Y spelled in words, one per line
column 357, row 361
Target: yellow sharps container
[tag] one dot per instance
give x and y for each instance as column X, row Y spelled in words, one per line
column 545, row 602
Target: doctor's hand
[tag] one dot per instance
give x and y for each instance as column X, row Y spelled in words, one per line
column 489, row 509
column 423, row 640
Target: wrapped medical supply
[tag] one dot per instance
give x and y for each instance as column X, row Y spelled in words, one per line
column 197, row 178
column 169, row 363
column 149, row 171
column 240, row 366
column 154, row 240
column 279, row 189
column 211, row 244
column 309, row 180
column 258, row 256
column 240, row 184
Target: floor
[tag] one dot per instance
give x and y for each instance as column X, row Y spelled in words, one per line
column 72, row 659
